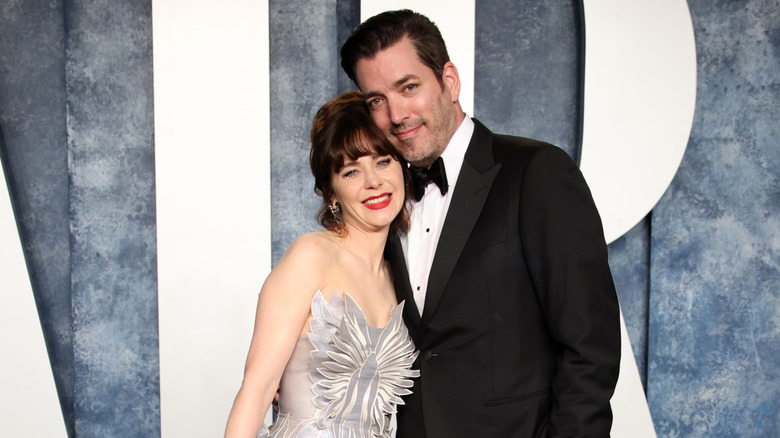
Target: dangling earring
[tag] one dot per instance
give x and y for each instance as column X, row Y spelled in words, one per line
column 334, row 209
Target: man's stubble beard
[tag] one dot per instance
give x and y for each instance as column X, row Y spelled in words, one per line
column 422, row 152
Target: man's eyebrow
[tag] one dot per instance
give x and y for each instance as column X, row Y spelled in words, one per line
column 370, row 94
column 396, row 84
column 404, row 80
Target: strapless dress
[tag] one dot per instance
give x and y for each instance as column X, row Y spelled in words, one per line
column 344, row 378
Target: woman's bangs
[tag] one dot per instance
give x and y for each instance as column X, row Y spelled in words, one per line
column 357, row 145
column 369, row 141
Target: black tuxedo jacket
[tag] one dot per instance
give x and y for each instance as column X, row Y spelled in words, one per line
column 520, row 334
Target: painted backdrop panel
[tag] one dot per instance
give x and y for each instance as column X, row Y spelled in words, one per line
column 714, row 337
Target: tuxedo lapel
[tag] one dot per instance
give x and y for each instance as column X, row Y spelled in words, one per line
column 403, row 289
column 471, row 190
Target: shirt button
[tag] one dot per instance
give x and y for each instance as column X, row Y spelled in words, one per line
column 427, row 230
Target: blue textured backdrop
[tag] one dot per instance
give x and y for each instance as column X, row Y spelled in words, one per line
column 305, row 40
column 714, row 336
column 32, row 115
column 112, row 217
column 76, row 107
column 698, row 279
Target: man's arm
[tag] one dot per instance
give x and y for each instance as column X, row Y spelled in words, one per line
column 567, row 256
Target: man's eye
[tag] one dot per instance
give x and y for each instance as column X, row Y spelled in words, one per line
column 410, row 87
column 373, row 103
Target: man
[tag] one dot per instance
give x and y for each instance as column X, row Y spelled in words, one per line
column 509, row 299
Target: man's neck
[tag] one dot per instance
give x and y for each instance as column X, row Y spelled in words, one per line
column 426, row 164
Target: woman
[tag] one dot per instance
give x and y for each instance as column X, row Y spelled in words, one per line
column 328, row 328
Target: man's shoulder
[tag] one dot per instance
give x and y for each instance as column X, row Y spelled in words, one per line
column 512, row 143
column 515, row 150
column 510, row 149
column 521, row 144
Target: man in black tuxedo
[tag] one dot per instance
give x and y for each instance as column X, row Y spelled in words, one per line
column 504, row 270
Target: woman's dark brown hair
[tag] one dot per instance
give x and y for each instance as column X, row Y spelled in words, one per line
column 343, row 128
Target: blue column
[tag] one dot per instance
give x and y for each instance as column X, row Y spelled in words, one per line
column 35, row 158
column 528, row 62
column 76, row 107
column 112, row 217
column 714, row 344
column 305, row 40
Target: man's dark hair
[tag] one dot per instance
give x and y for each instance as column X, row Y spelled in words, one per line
column 383, row 30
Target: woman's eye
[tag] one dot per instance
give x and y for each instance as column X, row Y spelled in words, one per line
column 384, row 162
column 350, row 173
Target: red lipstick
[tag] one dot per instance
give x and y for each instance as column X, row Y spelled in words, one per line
column 378, row 202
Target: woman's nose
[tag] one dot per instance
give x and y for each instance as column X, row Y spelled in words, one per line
column 372, row 179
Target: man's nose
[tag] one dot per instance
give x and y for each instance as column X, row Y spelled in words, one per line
column 397, row 110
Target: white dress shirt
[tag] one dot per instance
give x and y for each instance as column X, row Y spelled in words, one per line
column 428, row 214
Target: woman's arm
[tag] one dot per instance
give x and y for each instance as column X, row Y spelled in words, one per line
column 282, row 309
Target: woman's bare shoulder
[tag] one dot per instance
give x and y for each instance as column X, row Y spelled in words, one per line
column 314, row 242
column 310, row 250
column 302, row 268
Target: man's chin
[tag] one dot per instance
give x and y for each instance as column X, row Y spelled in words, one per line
column 405, row 149
column 411, row 157
column 411, row 151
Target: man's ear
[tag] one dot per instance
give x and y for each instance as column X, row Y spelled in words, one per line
column 451, row 80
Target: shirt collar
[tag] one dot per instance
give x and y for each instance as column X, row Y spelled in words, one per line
column 456, row 150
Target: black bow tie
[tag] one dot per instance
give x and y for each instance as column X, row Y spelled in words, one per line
column 422, row 177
